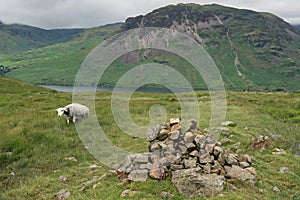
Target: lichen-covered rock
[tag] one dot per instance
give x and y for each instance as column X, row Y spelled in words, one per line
column 138, row 175
column 192, row 183
column 153, row 132
column 239, row 173
column 157, row 170
column 228, row 123
column 62, row 194
column 260, row 143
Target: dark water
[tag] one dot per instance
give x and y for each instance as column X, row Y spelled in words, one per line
column 110, row 89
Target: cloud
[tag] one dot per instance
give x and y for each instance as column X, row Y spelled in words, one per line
column 91, row 13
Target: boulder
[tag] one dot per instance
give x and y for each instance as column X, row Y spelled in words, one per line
column 138, row 175
column 239, row 173
column 228, row 123
column 191, row 183
column 157, row 170
column 260, row 143
column 62, row 194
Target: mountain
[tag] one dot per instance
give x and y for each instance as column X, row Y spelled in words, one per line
column 16, row 38
column 254, row 51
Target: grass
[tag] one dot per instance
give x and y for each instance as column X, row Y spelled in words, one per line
column 34, row 143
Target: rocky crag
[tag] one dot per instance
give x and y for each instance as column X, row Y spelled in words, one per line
column 197, row 163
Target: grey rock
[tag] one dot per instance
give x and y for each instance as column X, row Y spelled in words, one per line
column 93, row 167
column 190, row 162
column 174, row 120
column 245, row 158
column 210, row 139
column 200, row 141
column 228, row 123
column 217, row 168
column 278, row 151
column 191, row 183
column 231, row 159
column 138, row 175
column 284, row 170
column 157, row 170
column 217, row 150
column 209, row 148
column 205, row 158
column 207, row 168
column 225, row 140
column 128, row 193
column 62, row 194
column 163, row 134
column 260, row 143
column 244, row 164
column 174, row 135
column 142, row 158
column 146, row 166
column 252, row 170
column 63, row 178
column 191, row 147
column 152, row 132
column 189, row 137
column 176, row 167
column 154, row 146
column 276, row 189
column 194, row 153
column 239, row 173
column 221, row 159
column 166, row 195
column 182, row 149
column 189, row 125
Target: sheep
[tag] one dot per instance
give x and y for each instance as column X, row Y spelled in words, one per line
column 75, row 112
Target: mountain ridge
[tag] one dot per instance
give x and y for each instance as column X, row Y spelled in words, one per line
column 253, row 50
column 19, row 37
column 270, row 42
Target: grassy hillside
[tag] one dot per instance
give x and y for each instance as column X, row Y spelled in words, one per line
column 34, row 143
column 16, row 38
column 58, row 63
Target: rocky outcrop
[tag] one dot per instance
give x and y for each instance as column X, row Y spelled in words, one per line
column 197, row 163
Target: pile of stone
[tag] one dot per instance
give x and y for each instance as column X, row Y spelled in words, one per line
column 197, row 163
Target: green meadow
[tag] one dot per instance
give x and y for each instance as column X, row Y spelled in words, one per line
column 34, row 143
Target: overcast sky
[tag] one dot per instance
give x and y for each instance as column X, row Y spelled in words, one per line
column 90, row 13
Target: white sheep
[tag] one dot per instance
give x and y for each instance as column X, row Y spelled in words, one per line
column 75, row 112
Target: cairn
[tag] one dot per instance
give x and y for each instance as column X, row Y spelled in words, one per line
column 196, row 162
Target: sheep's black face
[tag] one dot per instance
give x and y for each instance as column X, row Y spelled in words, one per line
column 67, row 111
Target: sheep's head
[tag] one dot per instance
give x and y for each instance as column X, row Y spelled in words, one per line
column 60, row 111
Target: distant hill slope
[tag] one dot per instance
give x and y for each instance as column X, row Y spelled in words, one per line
column 57, row 63
column 297, row 26
column 17, row 38
column 253, row 50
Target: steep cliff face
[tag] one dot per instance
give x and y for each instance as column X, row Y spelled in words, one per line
column 252, row 50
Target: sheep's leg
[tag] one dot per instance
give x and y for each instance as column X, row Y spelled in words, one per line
column 74, row 120
column 68, row 120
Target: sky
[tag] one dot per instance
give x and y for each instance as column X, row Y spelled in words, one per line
column 50, row 14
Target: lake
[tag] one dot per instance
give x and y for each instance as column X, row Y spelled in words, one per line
column 62, row 88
